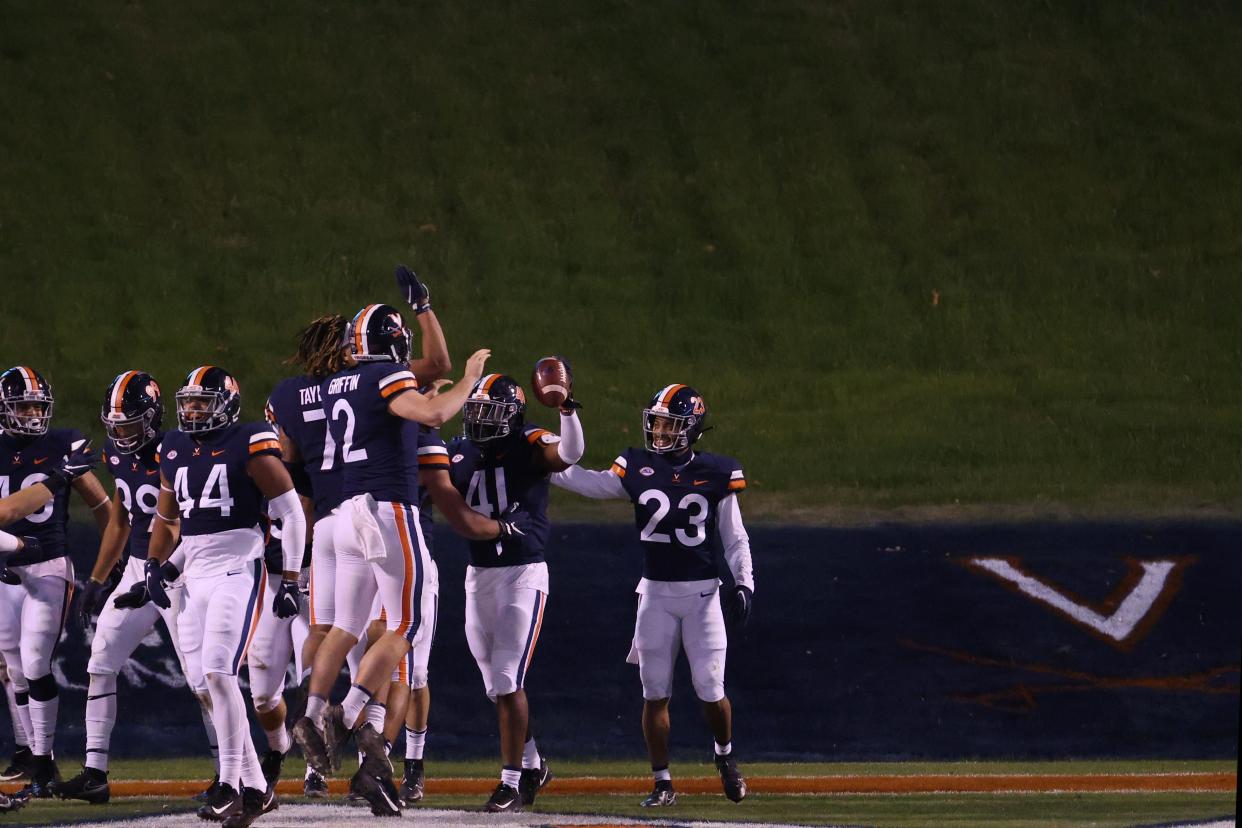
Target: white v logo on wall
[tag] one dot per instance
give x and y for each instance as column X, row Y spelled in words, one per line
column 1123, row 619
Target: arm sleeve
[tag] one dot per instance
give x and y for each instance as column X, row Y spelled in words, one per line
column 572, row 444
column 287, row 508
column 597, row 484
column 736, row 541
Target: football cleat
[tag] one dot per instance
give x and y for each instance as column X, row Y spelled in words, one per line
column 8, row 804
column 132, row 411
column 412, row 782
column 495, row 408
column 731, row 778
column 205, row 794
column 505, row 799
column 373, row 782
column 91, row 785
column 19, row 767
column 674, row 419
column 254, row 804
column 44, row 775
column 221, row 803
column 25, row 402
column 271, row 764
column 335, row 735
column 533, row 781
column 662, row 795
column 371, row 742
column 313, row 746
column 314, row 786
column 209, row 400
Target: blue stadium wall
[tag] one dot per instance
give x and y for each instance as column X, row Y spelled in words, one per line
column 1036, row 641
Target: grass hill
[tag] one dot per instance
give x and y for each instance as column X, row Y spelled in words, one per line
column 913, row 254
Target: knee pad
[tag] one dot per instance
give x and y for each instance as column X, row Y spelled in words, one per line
column 43, row 688
column 418, row 678
column 101, row 684
column 265, row 704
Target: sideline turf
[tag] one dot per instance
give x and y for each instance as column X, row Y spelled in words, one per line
column 912, row 253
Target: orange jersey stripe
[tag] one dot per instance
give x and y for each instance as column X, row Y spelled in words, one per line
column 737, row 485
column 433, row 460
column 534, row 436
column 617, row 470
column 403, row 385
column 404, row 532
column 266, row 445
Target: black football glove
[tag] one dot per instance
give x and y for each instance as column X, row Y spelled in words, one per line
column 415, row 292
column 288, row 600
column 91, row 601
column 133, row 598
column 80, row 460
column 740, row 602
column 153, row 573
column 513, row 523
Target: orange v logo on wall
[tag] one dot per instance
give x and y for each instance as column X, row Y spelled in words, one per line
column 1123, row 619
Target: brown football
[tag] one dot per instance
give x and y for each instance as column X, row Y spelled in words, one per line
column 552, row 380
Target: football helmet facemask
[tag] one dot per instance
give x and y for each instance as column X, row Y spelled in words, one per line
column 25, row 402
column 209, row 400
column 133, row 410
column 495, row 408
column 674, row 419
column 377, row 334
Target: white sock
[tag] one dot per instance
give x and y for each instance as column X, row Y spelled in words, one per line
column 23, row 714
column 356, row 699
column 315, row 705
column 251, row 771
column 279, row 739
column 100, row 717
column 375, row 713
column 723, row 750
column 510, row 776
column 43, row 724
column 415, row 740
column 19, row 735
column 530, row 754
column 662, row 775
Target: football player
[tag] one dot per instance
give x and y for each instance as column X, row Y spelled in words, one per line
column 681, row 500
column 38, row 584
column 133, row 416
column 499, row 464
column 214, row 474
column 378, row 542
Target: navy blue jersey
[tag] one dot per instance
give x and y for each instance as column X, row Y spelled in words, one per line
column 23, row 463
column 370, row 439
column 137, row 479
column 208, row 476
column 296, row 408
column 492, row 478
column 424, row 449
column 675, row 510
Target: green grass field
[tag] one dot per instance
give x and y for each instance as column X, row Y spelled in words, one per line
column 915, row 255
column 898, row 811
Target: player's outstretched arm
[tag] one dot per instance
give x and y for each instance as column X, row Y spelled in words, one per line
column 465, row 521
column 439, row 409
column 435, row 361
column 600, row 485
column 23, row 502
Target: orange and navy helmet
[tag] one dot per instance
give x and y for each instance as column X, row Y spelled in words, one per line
column 377, row 334
column 209, row 400
column 133, row 410
column 495, row 408
column 674, row 419
column 25, row 402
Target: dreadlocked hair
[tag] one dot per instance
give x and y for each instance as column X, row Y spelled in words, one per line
column 321, row 346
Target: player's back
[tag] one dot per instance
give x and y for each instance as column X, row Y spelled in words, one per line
column 370, row 438
column 296, row 406
column 497, row 475
column 675, row 510
column 25, row 461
